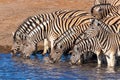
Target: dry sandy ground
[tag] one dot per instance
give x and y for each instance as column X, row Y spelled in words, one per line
column 14, row 12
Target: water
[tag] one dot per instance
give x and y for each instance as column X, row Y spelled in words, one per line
column 35, row 69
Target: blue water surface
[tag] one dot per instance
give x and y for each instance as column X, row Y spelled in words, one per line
column 34, row 69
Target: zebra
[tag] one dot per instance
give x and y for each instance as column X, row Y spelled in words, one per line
column 82, row 47
column 50, row 30
column 27, row 26
column 65, row 42
column 101, row 11
column 109, row 41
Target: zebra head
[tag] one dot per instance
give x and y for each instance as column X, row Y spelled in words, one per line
column 100, row 11
column 93, row 30
column 76, row 56
column 28, row 48
column 57, row 52
column 17, row 45
column 96, row 11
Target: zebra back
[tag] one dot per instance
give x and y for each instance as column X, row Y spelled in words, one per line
column 57, row 25
column 33, row 22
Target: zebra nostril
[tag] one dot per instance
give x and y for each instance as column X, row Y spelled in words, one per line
column 51, row 58
column 17, row 49
column 12, row 51
column 27, row 57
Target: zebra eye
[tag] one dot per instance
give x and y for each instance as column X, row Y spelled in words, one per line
column 73, row 55
column 17, row 42
column 26, row 45
column 92, row 27
column 77, row 48
column 100, row 10
column 60, row 46
column 57, row 52
column 98, row 24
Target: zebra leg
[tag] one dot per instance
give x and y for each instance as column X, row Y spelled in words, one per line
column 98, row 58
column 110, row 59
column 46, row 46
column 118, row 51
column 49, row 59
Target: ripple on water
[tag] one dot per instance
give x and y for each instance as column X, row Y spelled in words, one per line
column 34, row 69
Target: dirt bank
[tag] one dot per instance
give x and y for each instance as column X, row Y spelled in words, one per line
column 13, row 12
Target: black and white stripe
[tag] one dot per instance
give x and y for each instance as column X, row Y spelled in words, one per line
column 33, row 23
column 84, row 46
column 66, row 41
column 108, row 41
column 101, row 11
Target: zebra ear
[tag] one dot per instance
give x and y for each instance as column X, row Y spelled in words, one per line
column 13, row 33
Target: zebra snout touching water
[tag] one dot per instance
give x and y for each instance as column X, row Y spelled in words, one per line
column 108, row 40
column 84, row 46
column 16, row 48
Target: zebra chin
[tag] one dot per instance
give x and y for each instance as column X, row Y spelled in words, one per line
column 14, row 53
column 25, row 56
column 78, row 62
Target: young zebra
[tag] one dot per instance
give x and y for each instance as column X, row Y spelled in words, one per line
column 101, row 11
column 65, row 42
column 84, row 46
column 33, row 23
column 109, row 41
